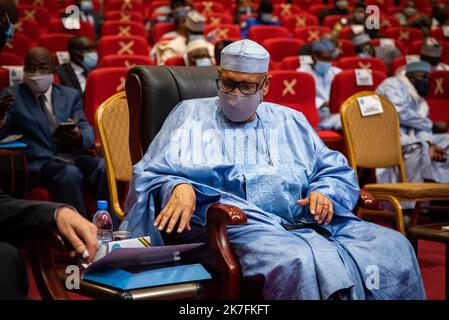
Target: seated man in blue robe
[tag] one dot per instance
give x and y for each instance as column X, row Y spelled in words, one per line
column 301, row 240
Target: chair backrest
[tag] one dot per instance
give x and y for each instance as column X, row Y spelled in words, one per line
column 219, row 18
column 290, row 63
column 363, row 63
column 10, row 59
column 346, row 48
column 295, row 90
column 439, row 88
column 28, row 28
column 19, row 45
column 125, row 61
column 160, row 29
column 154, row 91
column 372, row 141
column 300, row 20
column 284, row 10
column 209, row 7
column 260, row 33
column 101, row 84
column 112, row 121
column 310, row 33
column 86, row 29
column 279, row 48
column 55, row 41
column 175, row 61
column 124, row 16
column 130, row 45
column 330, row 21
column 124, row 5
column 406, row 35
column 344, row 85
column 438, row 34
column 37, row 14
column 222, row 31
column 117, row 28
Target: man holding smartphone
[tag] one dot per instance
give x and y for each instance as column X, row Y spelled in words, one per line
column 54, row 126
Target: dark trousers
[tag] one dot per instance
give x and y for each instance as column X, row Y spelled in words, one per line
column 68, row 180
column 13, row 276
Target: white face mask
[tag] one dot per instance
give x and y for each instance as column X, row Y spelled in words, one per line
column 39, row 83
column 239, row 108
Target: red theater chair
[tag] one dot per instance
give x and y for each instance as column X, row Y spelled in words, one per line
column 439, row 34
column 160, row 29
column 300, row 20
column 311, row 33
column 38, row 14
column 315, row 9
column 101, row 84
column 330, row 21
column 55, row 41
column 261, row 33
column 10, row 59
column 123, row 29
column 285, row 10
column 297, row 90
column 219, row 18
column 346, row 48
column 175, row 61
column 362, row 63
column 132, row 45
column 209, row 7
column 344, row 85
column 28, row 28
column 438, row 97
column 222, row 31
column 124, row 16
column 86, row 29
column 290, row 63
column 124, row 5
column 407, row 35
column 4, row 78
column 125, row 61
column 19, row 45
column 281, row 48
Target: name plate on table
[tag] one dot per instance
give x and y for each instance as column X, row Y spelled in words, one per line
column 370, row 105
column 63, row 57
column 363, row 77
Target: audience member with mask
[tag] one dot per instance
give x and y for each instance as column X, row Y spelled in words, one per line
column 83, row 59
column 264, row 18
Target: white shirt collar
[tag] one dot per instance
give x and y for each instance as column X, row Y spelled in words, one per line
column 78, row 70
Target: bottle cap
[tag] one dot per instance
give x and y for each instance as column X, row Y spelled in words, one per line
column 102, row 204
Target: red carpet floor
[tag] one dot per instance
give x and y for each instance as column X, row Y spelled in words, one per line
column 431, row 261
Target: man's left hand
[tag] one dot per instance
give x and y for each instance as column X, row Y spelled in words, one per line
column 320, row 206
column 72, row 136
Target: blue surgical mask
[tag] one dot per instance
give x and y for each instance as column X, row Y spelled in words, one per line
column 87, row 5
column 322, row 67
column 364, row 54
column 203, row 62
column 239, row 107
column 90, row 60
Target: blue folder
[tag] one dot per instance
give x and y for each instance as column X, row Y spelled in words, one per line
column 125, row 280
column 13, row 145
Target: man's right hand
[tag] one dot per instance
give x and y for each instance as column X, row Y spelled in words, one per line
column 5, row 105
column 81, row 233
column 181, row 205
column 437, row 153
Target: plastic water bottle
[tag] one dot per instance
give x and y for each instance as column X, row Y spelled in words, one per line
column 103, row 221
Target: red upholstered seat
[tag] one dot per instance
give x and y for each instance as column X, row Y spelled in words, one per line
column 218, row 32
column 346, row 48
column 124, row 16
column 117, row 28
column 101, row 84
column 290, row 63
column 397, row 63
column 219, row 18
column 209, row 7
column 344, row 85
column 330, row 21
column 300, row 20
column 10, row 59
column 124, row 5
column 280, row 48
column 55, row 41
column 160, row 29
column 315, row 9
column 406, row 35
column 260, row 33
column 38, row 14
column 113, row 60
column 311, row 33
column 19, row 45
column 28, row 28
column 438, row 97
column 175, row 61
column 284, row 10
column 364, row 63
column 86, row 29
column 131, row 45
column 438, row 34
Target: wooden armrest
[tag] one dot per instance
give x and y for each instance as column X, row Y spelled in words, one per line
column 218, row 217
column 367, row 201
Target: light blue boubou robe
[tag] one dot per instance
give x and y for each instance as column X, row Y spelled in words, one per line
column 263, row 167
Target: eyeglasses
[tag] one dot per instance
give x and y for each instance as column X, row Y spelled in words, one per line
column 246, row 88
column 43, row 68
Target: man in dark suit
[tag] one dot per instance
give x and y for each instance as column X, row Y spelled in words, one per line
column 20, row 217
column 83, row 58
column 56, row 154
